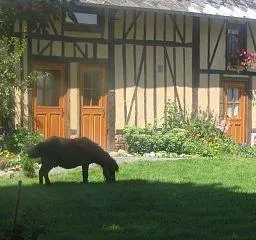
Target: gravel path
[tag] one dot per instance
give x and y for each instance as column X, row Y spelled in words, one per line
column 121, row 160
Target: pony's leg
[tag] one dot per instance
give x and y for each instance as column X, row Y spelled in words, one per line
column 85, row 167
column 41, row 175
column 106, row 174
column 46, row 172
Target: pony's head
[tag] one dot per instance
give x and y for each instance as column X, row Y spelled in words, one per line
column 110, row 170
column 33, row 151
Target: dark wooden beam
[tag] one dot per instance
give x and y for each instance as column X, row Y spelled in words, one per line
column 195, row 62
column 159, row 43
column 145, row 69
column 52, row 24
column 111, row 105
column 154, row 71
column 80, row 50
column 208, row 64
column 132, row 24
column 61, row 59
column 176, row 28
column 95, row 51
column 184, row 63
column 45, row 47
column 62, row 33
column 74, row 49
column 217, row 71
column 135, row 69
column 124, row 67
column 217, row 43
column 165, row 67
column 143, row 42
column 136, row 84
column 174, row 58
column 251, row 33
column 172, row 75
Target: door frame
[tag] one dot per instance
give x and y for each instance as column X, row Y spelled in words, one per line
column 105, row 103
column 64, row 90
column 247, row 107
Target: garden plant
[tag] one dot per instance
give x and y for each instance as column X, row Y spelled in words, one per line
column 185, row 133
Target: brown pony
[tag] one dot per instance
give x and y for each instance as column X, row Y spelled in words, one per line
column 71, row 153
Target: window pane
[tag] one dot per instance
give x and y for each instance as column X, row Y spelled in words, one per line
column 88, row 80
column 85, row 18
column 87, row 97
column 48, row 87
column 236, row 92
column 236, row 110
column 229, row 94
column 229, row 110
column 235, row 38
column 96, row 81
column 95, row 98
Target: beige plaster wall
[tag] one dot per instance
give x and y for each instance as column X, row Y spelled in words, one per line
column 145, row 96
column 74, row 110
column 209, row 95
column 219, row 60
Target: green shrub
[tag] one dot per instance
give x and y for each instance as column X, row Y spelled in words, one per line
column 27, row 165
column 7, row 163
column 182, row 133
column 174, row 117
column 18, row 138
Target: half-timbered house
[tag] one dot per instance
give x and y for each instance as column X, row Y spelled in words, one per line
column 123, row 60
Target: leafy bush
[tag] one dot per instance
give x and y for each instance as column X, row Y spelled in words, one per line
column 18, row 138
column 27, row 165
column 174, row 117
column 182, row 133
column 7, row 163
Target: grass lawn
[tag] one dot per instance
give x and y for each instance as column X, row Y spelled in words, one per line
column 185, row 199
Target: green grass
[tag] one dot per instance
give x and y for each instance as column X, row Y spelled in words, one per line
column 186, row 199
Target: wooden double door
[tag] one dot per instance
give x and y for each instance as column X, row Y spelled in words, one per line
column 50, row 101
column 236, row 110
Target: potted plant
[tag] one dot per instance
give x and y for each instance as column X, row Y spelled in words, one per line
column 242, row 60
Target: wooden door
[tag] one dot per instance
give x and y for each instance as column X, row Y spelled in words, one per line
column 49, row 99
column 235, row 109
column 93, row 104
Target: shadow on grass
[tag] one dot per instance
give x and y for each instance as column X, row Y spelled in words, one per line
column 136, row 209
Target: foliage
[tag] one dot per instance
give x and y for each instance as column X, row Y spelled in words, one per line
column 17, row 139
column 11, row 51
column 36, row 12
column 174, row 116
column 27, row 165
column 183, row 133
column 8, row 161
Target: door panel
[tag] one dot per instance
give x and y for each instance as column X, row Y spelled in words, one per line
column 49, row 99
column 93, row 104
column 235, row 108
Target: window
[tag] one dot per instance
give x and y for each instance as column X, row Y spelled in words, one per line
column 84, row 18
column 236, row 37
column 88, row 20
column 48, row 88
